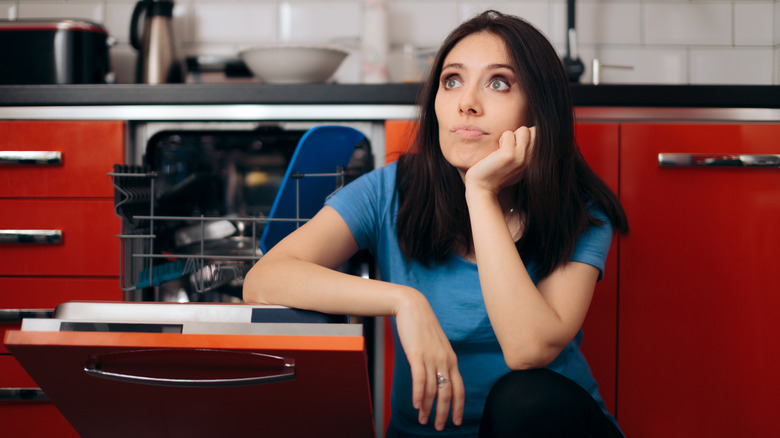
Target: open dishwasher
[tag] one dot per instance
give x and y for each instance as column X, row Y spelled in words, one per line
column 131, row 369
column 197, row 215
column 158, row 368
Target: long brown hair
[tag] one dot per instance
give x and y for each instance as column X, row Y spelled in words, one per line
column 558, row 185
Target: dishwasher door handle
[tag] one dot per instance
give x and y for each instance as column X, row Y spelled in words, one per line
column 719, row 160
column 37, row 158
column 284, row 368
column 49, row 237
column 23, row 394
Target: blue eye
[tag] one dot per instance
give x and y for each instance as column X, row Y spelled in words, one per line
column 499, row 84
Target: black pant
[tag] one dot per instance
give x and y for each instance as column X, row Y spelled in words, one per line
column 542, row 403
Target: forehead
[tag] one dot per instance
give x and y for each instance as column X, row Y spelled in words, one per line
column 482, row 46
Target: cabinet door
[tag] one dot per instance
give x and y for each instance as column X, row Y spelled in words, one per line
column 699, row 303
column 23, row 418
column 88, row 244
column 88, row 151
column 599, row 145
column 399, row 135
column 25, row 297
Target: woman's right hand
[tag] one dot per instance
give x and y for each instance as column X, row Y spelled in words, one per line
column 506, row 165
column 429, row 352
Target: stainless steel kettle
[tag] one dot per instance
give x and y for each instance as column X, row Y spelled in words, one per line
column 159, row 59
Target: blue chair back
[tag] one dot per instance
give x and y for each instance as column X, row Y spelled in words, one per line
column 323, row 149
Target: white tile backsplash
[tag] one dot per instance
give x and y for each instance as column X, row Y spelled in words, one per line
column 8, row 11
column 649, row 66
column 319, row 22
column 753, row 23
column 92, row 11
column 705, row 23
column 117, row 19
column 733, row 66
column 776, row 28
column 233, row 22
column 777, row 66
column 423, row 23
column 611, row 22
column 667, row 41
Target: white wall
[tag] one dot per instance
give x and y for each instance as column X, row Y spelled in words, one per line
column 666, row 41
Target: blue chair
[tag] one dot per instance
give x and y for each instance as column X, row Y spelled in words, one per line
column 321, row 150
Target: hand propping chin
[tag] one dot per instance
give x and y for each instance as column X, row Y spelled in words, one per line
column 504, row 166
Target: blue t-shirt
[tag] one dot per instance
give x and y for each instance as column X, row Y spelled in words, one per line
column 369, row 206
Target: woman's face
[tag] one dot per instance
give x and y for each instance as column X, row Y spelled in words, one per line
column 478, row 99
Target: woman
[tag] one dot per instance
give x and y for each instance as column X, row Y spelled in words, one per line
column 490, row 237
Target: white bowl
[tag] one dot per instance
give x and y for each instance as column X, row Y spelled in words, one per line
column 293, row 64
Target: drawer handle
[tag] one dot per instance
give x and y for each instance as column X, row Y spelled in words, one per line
column 22, row 394
column 49, row 237
column 283, row 367
column 719, row 160
column 17, row 315
column 39, row 158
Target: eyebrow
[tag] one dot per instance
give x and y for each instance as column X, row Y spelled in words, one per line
column 457, row 65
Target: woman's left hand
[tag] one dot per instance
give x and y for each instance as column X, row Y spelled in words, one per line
column 506, row 165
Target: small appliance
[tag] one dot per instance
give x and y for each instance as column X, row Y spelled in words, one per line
column 159, row 58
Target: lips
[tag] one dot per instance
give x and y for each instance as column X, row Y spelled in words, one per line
column 469, row 132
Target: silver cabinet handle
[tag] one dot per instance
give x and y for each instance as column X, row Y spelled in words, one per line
column 17, row 315
column 287, row 372
column 51, row 237
column 22, row 394
column 718, row 160
column 41, row 158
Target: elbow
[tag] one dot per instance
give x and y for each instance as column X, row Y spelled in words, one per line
column 531, row 355
column 253, row 289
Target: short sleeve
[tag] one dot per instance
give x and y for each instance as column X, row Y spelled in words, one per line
column 361, row 204
column 592, row 246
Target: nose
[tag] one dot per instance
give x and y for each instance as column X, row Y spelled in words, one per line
column 469, row 102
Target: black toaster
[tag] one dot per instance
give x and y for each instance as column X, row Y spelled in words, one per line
column 57, row 51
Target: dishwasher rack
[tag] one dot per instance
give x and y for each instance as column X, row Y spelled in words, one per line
column 148, row 259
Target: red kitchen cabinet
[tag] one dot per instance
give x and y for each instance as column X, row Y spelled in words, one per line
column 86, row 150
column 27, row 417
column 599, row 143
column 19, row 295
column 699, row 303
column 58, row 240
column 89, row 245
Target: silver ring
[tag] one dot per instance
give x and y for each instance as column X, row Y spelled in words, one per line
column 441, row 380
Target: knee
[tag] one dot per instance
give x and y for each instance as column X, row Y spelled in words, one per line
column 524, row 396
column 535, row 402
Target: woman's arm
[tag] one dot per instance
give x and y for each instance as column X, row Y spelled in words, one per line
column 532, row 323
column 299, row 272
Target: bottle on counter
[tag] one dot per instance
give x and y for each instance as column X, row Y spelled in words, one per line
column 374, row 42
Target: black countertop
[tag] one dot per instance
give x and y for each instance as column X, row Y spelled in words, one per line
column 697, row 96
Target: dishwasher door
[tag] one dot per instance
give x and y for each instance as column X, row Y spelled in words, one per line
column 162, row 384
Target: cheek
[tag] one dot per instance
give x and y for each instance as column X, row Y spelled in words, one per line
column 439, row 107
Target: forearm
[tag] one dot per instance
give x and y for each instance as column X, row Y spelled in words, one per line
column 526, row 325
column 305, row 285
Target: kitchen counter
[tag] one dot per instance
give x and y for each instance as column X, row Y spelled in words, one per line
column 208, row 94
column 248, row 101
column 710, row 96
